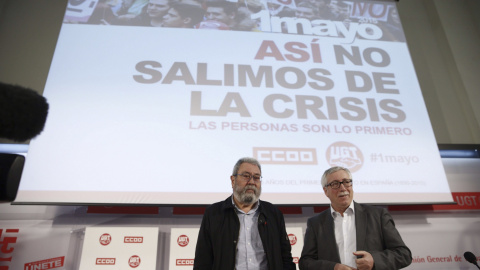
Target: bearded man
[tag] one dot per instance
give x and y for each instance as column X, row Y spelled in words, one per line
column 243, row 232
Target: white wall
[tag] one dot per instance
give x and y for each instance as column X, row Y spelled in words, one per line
column 443, row 37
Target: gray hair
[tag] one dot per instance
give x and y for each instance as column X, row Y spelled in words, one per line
column 334, row 170
column 246, row 160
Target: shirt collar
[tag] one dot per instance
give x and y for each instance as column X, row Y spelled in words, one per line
column 253, row 210
column 334, row 213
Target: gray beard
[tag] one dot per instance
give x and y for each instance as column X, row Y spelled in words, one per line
column 247, row 198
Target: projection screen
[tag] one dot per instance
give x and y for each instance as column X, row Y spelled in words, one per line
column 154, row 103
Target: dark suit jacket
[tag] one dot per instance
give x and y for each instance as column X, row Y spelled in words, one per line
column 376, row 234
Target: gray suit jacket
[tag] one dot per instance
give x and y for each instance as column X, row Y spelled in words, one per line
column 376, row 234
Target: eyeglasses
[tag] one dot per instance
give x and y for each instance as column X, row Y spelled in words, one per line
column 336, row 184
column 246, row 177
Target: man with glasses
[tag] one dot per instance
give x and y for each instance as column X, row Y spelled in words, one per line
column 243, row 232
column 349, row 235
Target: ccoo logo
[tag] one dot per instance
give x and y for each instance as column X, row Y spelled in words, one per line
column 105, row 261
column 184, row 262
column 133, row 239
column 346, row 155
column 182, row 240
column 105, row 239
column 134, row 261
column 292, row 238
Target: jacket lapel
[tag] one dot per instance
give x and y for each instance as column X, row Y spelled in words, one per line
column 329, row 228
column 360, row 225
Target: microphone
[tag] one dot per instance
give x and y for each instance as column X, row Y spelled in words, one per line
column 23, row 112
column 471, row 258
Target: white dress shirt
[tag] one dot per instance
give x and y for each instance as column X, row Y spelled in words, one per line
column 345, row 235
column 250, row 253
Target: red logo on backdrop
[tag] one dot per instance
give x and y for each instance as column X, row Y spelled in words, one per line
column 45, row 264
column 464, row 200
column 105, row 261
column 295, row 259
column 105, row 239
column 133, row 239
column 182, row 240
column 345, row 154
column 292, row 238
column 5, row 241
column 134, row 261
column 184, row 262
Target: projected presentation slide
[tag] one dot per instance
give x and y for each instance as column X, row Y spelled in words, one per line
column 154, row 102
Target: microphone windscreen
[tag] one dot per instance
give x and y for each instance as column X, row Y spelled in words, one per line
column 470, row 257
column 23, row 112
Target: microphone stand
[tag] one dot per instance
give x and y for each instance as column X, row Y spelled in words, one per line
column 476, row 264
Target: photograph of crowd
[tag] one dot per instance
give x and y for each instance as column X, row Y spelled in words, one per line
column 240, row 15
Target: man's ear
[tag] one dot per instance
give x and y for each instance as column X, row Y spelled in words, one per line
column 232, row 178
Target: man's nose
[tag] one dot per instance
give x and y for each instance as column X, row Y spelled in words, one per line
column 251, row 181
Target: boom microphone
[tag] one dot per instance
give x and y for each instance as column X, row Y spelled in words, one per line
column 471, row 258
column 23, row 112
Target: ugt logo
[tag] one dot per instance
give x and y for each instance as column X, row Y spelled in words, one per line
column 292, row 238
column 134, row 261
column 105, row 239
column 346, row 155
column 183, row 240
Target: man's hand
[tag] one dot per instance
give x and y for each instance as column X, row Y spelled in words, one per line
column 365, row 262
column 339, row 266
